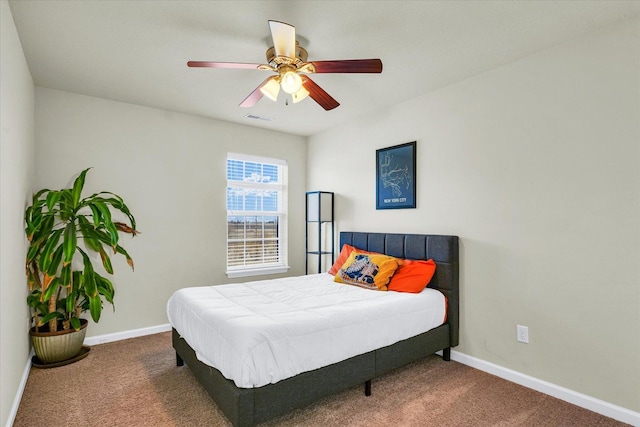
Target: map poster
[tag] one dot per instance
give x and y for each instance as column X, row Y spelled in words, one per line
column 396, row 177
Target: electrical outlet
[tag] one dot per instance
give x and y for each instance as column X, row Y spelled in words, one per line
column 522, row 334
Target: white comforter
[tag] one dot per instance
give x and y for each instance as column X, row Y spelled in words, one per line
column 258, row 333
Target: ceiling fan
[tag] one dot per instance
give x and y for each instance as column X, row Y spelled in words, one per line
column 289, row 60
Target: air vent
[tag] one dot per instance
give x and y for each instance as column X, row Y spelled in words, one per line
column 254, row 117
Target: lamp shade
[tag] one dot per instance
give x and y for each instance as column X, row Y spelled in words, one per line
column 291, row 82
column 319, row 206
column 271, row 89
column 300, row 95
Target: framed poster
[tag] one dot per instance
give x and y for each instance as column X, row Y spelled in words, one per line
column 396, row 177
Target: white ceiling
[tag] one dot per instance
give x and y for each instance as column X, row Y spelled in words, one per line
column 136, row 51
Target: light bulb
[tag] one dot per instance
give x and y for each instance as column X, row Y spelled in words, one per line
column 291, row 82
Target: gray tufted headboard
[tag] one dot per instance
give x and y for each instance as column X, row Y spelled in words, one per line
column 442, row 249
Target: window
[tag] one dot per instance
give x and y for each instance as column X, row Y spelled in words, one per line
column 256, row 215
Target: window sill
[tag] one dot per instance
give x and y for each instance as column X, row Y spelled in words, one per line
column 261, row 271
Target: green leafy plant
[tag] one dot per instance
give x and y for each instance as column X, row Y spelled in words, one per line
column 56, row 222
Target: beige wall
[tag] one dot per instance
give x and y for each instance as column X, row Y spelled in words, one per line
column 536, row 166
column 170, row 169
column 16, row 173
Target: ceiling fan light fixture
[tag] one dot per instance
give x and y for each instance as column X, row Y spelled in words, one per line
column 289, row 60
column 271, row 89
column 291, row 82
column 300, row 95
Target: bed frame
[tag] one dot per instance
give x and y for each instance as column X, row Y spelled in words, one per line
column 249, row 406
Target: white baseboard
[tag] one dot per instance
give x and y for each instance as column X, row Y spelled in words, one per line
column 18, row 397
column 117, row 336
column 596, row 405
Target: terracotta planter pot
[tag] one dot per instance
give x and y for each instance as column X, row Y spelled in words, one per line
column 52, row 347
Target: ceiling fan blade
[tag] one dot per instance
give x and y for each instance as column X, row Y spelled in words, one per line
column 349, row 66
column 318, row 94
column 255, row 96
column 284, row 38
column 211, row 64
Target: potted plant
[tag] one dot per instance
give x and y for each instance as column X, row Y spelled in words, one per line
column 64, row 232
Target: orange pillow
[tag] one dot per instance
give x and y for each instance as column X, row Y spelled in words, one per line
column 367, row 270
column 412, row 276
column 342, row 258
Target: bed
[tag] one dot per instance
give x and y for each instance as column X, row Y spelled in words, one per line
column 247, row 405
